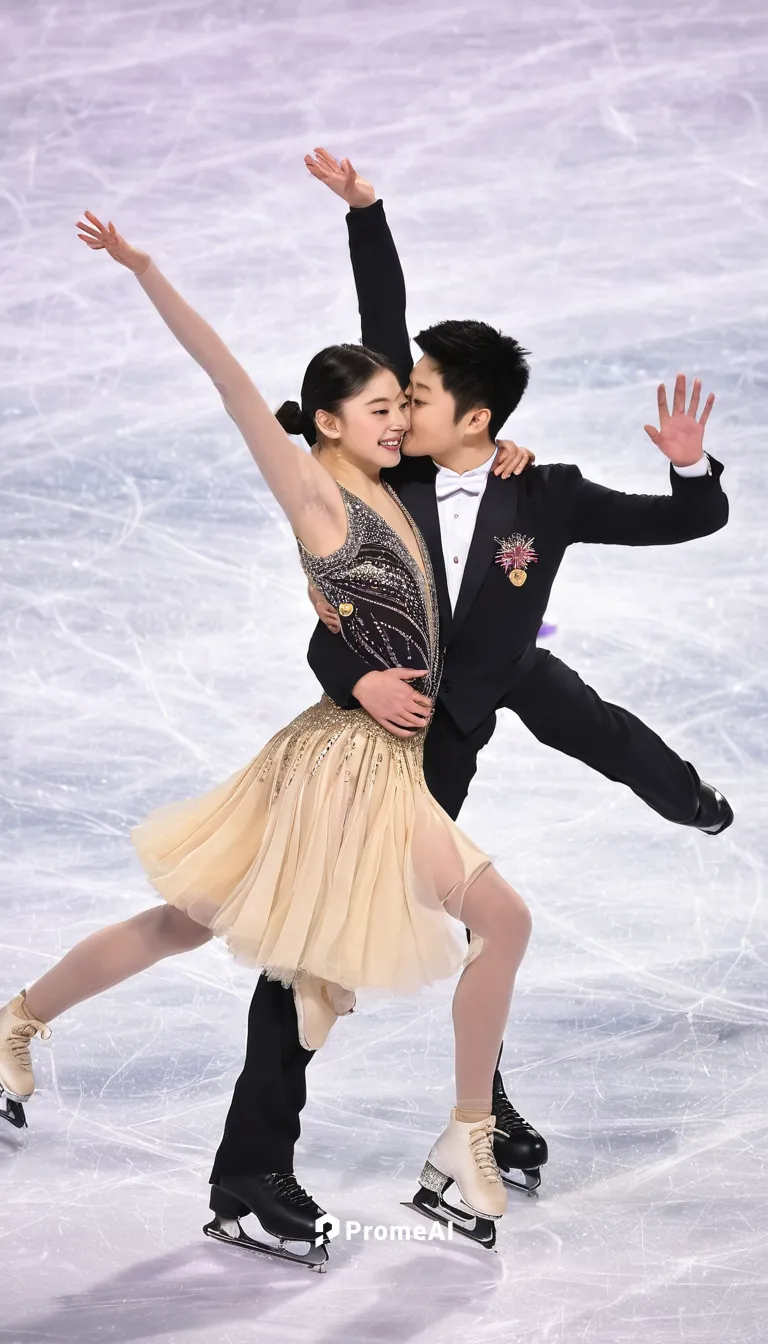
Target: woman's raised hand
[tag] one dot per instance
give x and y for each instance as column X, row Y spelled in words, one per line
column 341, row 178
column 98, row 238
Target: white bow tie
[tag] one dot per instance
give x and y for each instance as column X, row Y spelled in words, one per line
column 449, row 482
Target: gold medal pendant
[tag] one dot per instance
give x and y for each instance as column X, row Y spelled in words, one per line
column 517, row 577
column 346, row 608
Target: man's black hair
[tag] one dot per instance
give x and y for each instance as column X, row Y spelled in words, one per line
column 479, row 367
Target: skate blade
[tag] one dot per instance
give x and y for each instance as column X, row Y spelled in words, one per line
column 529, row 1184
column 229, row 1230
column 482, row 1231
column 12, row 1110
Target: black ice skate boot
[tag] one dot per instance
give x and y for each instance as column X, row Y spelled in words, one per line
column 715, row 813
column 518, row 1147
column 284, row 1210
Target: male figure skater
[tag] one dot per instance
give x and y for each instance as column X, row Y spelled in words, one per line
column 496, row 545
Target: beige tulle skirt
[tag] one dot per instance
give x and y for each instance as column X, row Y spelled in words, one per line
column 325, row 856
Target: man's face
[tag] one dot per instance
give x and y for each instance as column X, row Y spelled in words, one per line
column 433, row 410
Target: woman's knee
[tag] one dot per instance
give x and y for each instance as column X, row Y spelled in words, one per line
column 517, row 921
column 498, row 911
column 526, row 920
column 171, row 930
column 182, row 931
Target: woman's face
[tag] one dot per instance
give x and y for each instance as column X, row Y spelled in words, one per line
column 369, row 429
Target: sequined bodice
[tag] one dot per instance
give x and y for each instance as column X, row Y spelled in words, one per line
column 387, row 606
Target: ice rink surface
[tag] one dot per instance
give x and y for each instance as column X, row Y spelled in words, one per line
column 592, row 178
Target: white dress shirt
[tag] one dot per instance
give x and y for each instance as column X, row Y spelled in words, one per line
column 458, row 502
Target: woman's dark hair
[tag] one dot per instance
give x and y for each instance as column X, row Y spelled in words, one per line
column 332, row 377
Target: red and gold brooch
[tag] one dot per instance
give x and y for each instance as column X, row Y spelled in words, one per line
column 514, row 555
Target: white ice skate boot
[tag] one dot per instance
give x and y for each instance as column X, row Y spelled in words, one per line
column 319, row 1005
column 17, row 1080
column 463, row 1156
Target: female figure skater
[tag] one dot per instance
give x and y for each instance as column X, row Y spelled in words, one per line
column 325, row 860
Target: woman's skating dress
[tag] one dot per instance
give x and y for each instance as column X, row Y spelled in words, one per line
column 326, row 855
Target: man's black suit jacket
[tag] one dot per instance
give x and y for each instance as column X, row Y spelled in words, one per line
column 489, row 641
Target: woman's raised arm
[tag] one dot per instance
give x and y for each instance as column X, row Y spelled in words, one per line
column 304, row 490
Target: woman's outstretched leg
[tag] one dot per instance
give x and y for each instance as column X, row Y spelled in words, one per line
column 113, row 954
column 97, row 963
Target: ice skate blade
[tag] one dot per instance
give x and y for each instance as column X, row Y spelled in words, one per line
column 230, row 1231
column 529, row 1184
column 12, row 1110
column 482, row 1231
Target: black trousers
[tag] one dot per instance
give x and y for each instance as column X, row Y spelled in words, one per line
column 563, row 712
column 553, row 702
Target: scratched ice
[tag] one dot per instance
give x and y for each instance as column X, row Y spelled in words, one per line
column 593, row 179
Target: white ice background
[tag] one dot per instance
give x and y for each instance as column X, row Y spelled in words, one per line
column 591, row 177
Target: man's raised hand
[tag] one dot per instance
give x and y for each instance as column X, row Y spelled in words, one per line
column 681, row 435
column 341, row 178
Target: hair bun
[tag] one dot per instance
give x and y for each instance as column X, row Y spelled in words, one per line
column 291, row 417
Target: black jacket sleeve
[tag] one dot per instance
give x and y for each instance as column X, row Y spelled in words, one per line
column 381, row 299
column 380, row 287
column 337, row 667
column 696, row 508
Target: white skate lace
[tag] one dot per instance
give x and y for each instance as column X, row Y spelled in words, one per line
column 481, row 1145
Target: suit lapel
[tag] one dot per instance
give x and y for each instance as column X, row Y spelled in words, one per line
column 420, row 500
column 494, row 518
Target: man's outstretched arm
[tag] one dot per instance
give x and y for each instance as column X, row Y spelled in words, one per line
column 376, row 266
column 696, row 507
